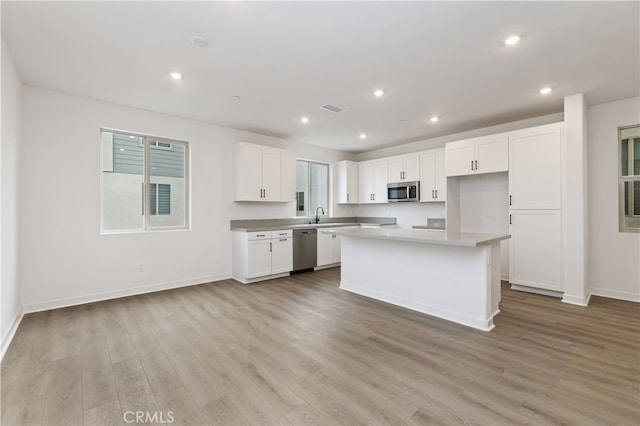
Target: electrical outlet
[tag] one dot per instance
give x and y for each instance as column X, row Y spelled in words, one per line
column 140, row 267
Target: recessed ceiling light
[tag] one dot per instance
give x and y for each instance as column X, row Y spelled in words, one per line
column 132, row 137
column 363, row 135
column 378, row 93
column 434, row 119
column 176, row 75
column 121, row 149
column 235, row 97
column 199, row 41
column 545, row 90
column 512, row 39
column 304, row 120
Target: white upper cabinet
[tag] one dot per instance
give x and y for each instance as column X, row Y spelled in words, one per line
column 372, row 182
column 271, row 174
column 487, row 154
column 264, row 173
column 347, row 182
column 433, row 182
column 535, row 168
column 404, row 169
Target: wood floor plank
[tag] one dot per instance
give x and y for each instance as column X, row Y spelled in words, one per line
column 109, row 414
column 98, row 383
column 63, row 403
column 27, row 412
column 134, row 391
column 176, row 405
column 298, row 350
column 224, row 412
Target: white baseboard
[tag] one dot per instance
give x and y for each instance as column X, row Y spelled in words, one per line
column 460, row 318
column 577, row 300
column 10, row 333
column 615, row 294
column 536, row 290
column 97, row 297
column 257, row 280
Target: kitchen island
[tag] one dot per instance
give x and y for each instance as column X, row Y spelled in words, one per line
column 455, row 276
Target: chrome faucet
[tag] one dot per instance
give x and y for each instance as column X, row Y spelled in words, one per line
column 317, row 218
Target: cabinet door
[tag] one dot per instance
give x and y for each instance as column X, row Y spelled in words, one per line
column 411, row 168
column 380, row 180
column 365, row 179
column 440, row 178
column 427, row 176
column 459, row 157
column 325, row 249
column 535, row 256
column 259, row 258
column 288, row 176
column 335, row 249
column 347, row 182
column 352, row 182
column 248, row 163
column 492, row 154
column 271, row 174
column 535, row 169
column 281, row 255
column 395, row 170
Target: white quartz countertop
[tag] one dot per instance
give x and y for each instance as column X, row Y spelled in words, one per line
column 463, row 239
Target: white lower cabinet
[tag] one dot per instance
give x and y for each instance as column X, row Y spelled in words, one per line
column 535, row 249
column 328, row 249
column 281, row 255
column 258, row 258
column 261, row 255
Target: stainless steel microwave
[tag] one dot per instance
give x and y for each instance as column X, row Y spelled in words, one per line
column 403, row 191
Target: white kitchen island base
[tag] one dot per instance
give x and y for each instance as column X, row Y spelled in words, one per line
column 455, row 277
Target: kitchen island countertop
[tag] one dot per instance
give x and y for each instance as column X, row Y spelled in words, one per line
column 463, row 239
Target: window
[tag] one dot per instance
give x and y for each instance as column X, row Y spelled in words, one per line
column 312, row 187
column 160, row 199
column 144, row 183
column 629, row 191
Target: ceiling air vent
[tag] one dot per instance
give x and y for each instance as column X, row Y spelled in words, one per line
column 332, row 108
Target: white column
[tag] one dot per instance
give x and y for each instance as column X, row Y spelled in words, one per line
column 576, row 286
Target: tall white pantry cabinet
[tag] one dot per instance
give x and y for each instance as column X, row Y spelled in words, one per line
column 535, row 207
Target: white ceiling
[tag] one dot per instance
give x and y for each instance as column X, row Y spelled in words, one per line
column 285, row 59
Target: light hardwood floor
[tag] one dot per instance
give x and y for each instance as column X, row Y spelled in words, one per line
column 300, row 351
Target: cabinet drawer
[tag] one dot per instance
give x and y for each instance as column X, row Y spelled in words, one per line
column 285, row 233
column 259, row 235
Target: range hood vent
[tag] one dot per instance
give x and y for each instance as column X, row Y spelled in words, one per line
column 332, row 108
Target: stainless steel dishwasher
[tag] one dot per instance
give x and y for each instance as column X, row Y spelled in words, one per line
column 305, row 249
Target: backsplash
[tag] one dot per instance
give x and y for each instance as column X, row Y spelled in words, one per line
column 406, row 214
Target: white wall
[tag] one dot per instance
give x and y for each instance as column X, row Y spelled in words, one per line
column 613, row 256
column 10, row 292
column 66, row 260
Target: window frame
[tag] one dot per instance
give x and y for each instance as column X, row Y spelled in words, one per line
column 626, row 179
column 146, row 176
